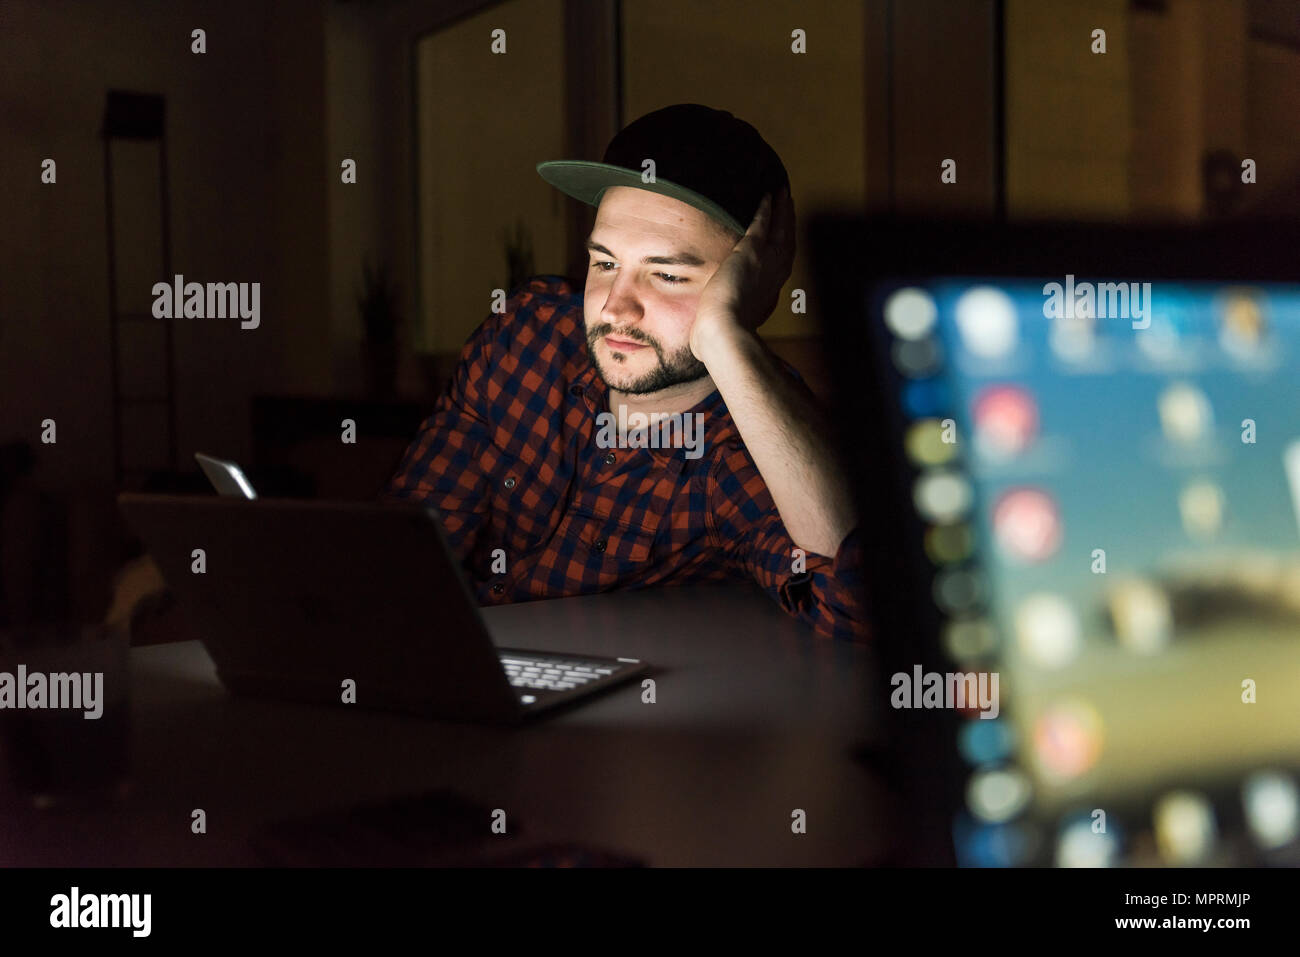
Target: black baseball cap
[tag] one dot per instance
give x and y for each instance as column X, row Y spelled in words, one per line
column 704, row 157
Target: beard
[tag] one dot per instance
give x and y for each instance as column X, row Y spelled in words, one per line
column 676, row 369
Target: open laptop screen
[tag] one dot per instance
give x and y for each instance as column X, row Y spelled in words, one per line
column 1103, row 481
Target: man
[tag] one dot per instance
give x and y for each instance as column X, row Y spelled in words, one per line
column 566, row 456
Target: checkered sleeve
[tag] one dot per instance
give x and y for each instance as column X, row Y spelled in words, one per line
column 442, row 466
column 826, row 592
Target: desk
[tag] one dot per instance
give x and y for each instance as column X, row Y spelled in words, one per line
column 754, row 717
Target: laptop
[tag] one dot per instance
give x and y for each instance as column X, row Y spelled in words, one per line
column 1077, row 455
column 350, row 604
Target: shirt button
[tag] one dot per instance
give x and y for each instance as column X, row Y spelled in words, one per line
column 510, row 482
column 575, row 390
column 599, row 544
column 609, row 458
column 498, row 588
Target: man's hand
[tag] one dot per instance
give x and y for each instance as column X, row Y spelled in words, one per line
column 781, row 425
column 747, row 286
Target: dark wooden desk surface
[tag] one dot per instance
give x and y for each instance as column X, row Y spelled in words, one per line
column 754, row 718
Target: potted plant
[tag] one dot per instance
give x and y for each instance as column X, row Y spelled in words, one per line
column 519, row 255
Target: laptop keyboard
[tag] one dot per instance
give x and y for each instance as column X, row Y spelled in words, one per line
column 546, row 673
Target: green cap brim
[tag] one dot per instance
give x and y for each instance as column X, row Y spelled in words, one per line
column 587, row 181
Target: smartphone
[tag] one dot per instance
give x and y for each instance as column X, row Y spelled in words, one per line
column 226, row 477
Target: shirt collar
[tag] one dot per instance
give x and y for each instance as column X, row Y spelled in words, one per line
column 717, row 420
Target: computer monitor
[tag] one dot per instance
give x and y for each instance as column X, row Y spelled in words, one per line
column 1077, row 455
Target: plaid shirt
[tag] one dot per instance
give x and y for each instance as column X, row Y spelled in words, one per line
column 535, row 507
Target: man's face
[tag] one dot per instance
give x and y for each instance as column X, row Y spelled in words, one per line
column 649, row 257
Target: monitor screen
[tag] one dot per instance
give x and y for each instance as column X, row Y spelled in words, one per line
column 1104, row 484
